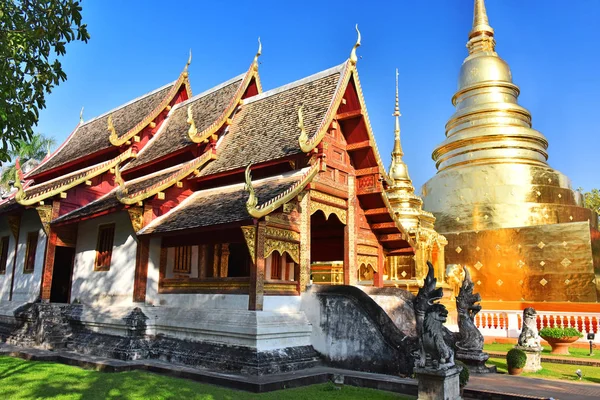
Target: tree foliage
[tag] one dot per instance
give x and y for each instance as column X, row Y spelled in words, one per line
column 591, row 199
column 34, row 149
column 33, row 34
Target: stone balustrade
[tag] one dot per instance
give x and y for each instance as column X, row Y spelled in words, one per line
column 508, row 323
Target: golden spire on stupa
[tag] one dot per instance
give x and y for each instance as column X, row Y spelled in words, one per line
column 398, row 169
column 492, row 164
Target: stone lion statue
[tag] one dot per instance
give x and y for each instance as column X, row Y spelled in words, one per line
column 529, row 336
column 435, row 353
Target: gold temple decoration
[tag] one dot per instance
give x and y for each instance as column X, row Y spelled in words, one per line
column 250, row 238
column 136, row 215
column 408, row 209
column 258, row 53
column 494, row 194
column 117, row 140
column 283, row 234
column 353, row 58
column 45, row 214
column 190, row 120
column 328, row 210
column 81, row 116
column 280, row 246
column 259, row 211
column 125, row 197
column 66, row 182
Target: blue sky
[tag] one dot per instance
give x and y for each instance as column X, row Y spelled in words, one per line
column 551, row 46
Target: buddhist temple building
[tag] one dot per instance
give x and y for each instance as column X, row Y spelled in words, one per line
column 508, row 216
column 408, row 270
column 234, row 198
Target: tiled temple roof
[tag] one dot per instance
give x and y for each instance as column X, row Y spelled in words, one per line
column 206, row 108
column 266, row 126
column 93, row 136
column 110, row 200
column 220, row 205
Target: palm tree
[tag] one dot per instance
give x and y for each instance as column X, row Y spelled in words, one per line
column 35, row 149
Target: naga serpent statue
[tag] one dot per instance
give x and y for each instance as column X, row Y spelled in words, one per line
column 469, row 337
column 434, row 352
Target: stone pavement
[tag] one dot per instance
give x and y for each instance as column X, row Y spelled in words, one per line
column 492, row 387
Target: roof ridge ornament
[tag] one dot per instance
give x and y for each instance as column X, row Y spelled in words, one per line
column 111, row 128
column 81, row 116
column 258, row 54
column 187, row 65
column 353, row 58
column 190, row 120
column 303, row 135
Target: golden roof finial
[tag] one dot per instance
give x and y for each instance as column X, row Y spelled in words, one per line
column 81, row 116
column 258, row 53
column 353, row 58
column 189, row 61
column 481, row 37
column 397, row 146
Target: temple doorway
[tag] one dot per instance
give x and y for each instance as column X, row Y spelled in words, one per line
column 61, row 274
column 327, row 249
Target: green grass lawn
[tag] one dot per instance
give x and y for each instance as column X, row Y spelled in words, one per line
column 554, row 371
column 575, row 352
column 21, row 379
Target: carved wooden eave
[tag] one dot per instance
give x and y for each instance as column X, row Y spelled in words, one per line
column 69, row 181
column 45, row 214
column 282, row 241
column 14, row 221
column 134, row 198
column 250, row 238
column 328, row 205
column 259, row 211
column 117, row 140
column 212, row 129
column 136, row 215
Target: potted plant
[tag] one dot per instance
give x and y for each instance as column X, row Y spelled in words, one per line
column 515, row 361
column 463, row 377
column 560, row 338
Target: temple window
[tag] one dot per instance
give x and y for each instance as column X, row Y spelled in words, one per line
column 104, row 247
column 183, row 260
column 276, row 266
column 239, row 260
column 32, row 240
column 3, row 254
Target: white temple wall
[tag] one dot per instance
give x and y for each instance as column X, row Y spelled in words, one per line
column 5, row 278
column 27, row 286
column 112, row 287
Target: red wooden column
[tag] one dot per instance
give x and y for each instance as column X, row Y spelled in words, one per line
column 49, row 255
column 141, row 260
column 257, row 274
column 378, row 278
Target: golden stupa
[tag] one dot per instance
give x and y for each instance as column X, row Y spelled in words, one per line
column 508, row 216
column 408, row 209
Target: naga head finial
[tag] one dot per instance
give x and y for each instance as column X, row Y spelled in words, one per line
column 353, row 58
column 258, row 53
column 118, row 179
column 111, row 129
column 190, row 120
column 81, row 116
column 303, row 139
column 252, row 199
column 18, row 181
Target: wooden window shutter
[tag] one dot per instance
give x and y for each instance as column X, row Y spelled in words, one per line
column 104, row 247
column 183, row 259
column 32, row 240
column 3, row 253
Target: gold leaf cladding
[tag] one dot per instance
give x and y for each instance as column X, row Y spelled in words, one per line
column 315, row 195
column 367, row 260
column 543, row 282
column 367, row 250
column 541, row 245
column 478, row 265
column 328, row 210
column 250, row 237
column 283, row 234
column 458, row 249
column 565, row 262
column 136, row 215
column 45, row 213
column 293, row 249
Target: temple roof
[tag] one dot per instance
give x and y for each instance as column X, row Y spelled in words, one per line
column 206, row 109
column 110, row 200
column 266, row 126
column 220, row 205
column 93, row 136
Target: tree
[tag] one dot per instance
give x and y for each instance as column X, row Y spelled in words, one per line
column 35, row 149
column 591, row 199
column 33, row 34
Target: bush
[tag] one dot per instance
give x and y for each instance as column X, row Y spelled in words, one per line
column 559, row 333
column 464, row 374
column 516, row 358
